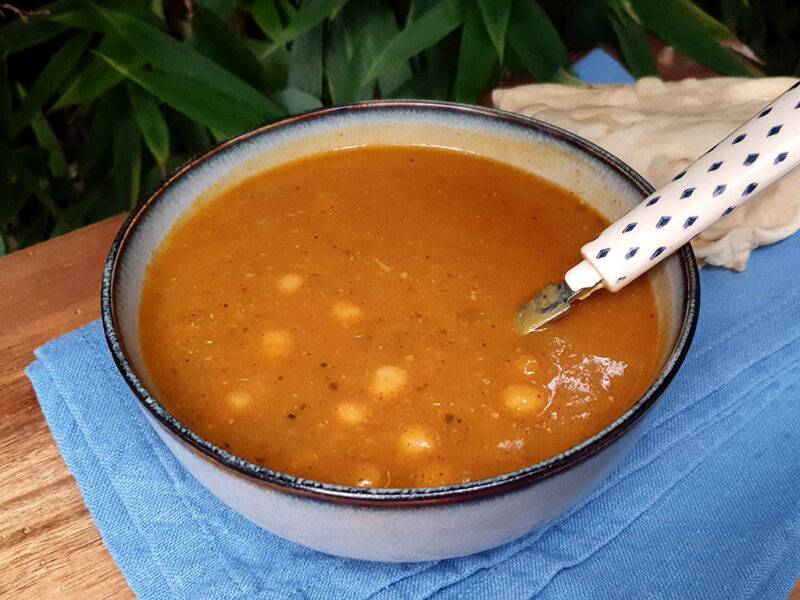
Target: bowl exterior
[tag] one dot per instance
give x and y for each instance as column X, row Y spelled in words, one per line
column 397, row 533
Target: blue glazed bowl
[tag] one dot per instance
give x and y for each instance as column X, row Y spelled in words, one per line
column 395, row 524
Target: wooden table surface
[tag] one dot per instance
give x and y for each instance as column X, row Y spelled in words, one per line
column 49, row 546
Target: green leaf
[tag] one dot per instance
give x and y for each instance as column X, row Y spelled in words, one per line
column 632, row 40
column 266, row 16
column 356, row 37
column 87, row 19
column 57, row 69
column 419, row 7
column 297, row 101
column 213, row 38
column 308, row 16
column 694, row 33
column 223, row 8
column 191, row 137
column 341, row 76
column 2, row 245
column 568, row 77
column 475, row 64
column 379, row 25
column 150, row 122
column 274, row 66
column 536, row 41
column 194, row 99
column 5, row 100
column 731, row 11
column 33, row 184
column 21, row 35
column 423, row 32
column 127, row 169
column 97, row 77
column 305, row 64
column 157, row 6
column 98, row 140
column 47, row 140
column 180, row 61
column 495, row 15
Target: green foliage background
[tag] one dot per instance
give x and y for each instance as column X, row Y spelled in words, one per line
column 100, row 99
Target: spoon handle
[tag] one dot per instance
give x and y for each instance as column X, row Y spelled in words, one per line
column 750, row 159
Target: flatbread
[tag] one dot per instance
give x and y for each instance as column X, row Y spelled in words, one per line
column 659, row 128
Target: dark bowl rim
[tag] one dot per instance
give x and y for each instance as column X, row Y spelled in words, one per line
column 400, row 497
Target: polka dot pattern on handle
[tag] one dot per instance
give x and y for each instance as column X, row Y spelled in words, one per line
column 750, row 159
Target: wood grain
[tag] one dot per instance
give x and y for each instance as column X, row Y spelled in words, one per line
column 49, row 547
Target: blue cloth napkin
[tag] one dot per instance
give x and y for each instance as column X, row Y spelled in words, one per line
column 706, row 505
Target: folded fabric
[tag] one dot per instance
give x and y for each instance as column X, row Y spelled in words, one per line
column 659, row 128
column 706, row 505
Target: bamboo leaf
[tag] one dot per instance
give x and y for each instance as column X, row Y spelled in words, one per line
column 379, row 25
column 5, row 100
column 57, row 69
column 127, row 169
column 222, row 8
column 87, row 19
column 97, row 77
column 213, row 38
column 98, row 140
column 475, row 64
column 21, row 35
column 495, row 14
column 194, row 99
column 266, row 16
column 693, row 32
column 308, row 16
column 632, row 40
column 178, row 60
column 274, row 65
column 305, row 64
column 423, row 32
column 150, row 122
column 157, row 7
column 47, row 140
column 536, row 41
column 191, row 137
column 342, row 79
column 297, row 101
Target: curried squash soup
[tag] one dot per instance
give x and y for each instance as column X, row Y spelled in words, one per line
column 348, row 318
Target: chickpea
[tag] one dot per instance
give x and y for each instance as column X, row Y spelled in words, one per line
column 239, row 400
column 368, row 475
column 290, row 283
column 388, row 380
column 417, row 440
column 346, row 312
column 351, row 413
column 277, row 343
column 525, row 400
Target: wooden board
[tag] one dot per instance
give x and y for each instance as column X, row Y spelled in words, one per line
column 49, row 547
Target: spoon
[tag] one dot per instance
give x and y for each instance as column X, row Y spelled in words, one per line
column 744, row 164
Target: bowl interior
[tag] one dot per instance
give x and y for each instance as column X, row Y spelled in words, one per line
column 601, row 181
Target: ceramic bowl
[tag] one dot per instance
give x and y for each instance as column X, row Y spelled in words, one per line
column 395, row 524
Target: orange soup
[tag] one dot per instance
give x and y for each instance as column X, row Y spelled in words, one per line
column 348, row 318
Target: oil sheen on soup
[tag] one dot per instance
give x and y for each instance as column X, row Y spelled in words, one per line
column 348, row 318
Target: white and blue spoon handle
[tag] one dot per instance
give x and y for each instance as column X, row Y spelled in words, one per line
column 750, row 159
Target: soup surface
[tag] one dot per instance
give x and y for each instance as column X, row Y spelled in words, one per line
column 349, row 318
